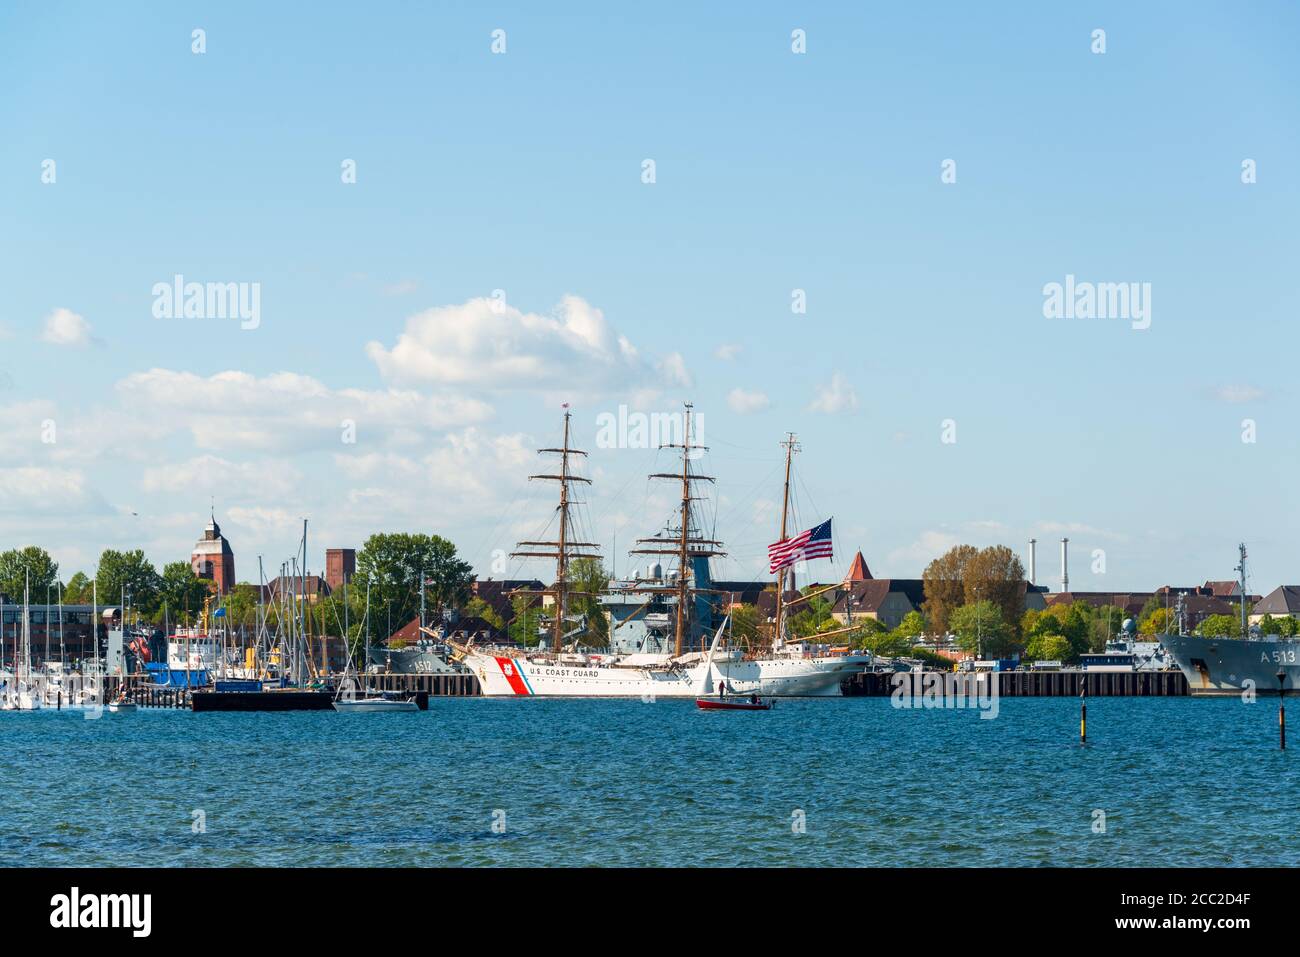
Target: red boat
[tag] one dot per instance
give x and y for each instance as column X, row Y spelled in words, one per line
column 733, row 704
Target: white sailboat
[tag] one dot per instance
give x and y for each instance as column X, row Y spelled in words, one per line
column 26, row 694
column 786, row 669
column 352, row 700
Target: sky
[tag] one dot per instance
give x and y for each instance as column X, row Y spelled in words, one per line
column 448, row 216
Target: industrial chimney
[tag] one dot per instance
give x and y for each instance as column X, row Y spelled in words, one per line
column 1065, row 564
column 1033, row 561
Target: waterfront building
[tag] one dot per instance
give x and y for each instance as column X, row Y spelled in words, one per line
column 77, row 643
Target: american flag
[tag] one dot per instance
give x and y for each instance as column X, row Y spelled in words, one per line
column 814, row 543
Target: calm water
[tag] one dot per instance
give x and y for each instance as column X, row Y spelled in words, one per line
column 1182, row 782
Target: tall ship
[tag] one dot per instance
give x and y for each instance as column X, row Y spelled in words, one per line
column 1230, row 666
column 668, row 636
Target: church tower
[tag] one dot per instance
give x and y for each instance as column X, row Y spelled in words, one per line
column 213, row 559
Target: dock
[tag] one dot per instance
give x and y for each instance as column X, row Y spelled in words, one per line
column 148, row 695
column 1044, row 684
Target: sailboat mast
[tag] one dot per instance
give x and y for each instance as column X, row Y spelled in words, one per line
column 683, row 558
column 561, row 561
column 790, row 446
column 563, row 544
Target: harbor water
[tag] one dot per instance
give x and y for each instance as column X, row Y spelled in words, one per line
column 474, row 782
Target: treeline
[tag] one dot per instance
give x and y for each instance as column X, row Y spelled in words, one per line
column 978, row 596
column 388, row 573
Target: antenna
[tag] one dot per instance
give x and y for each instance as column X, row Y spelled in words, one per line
column 1241, row 569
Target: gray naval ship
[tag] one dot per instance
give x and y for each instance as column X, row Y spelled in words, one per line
column 1223, row 666
column 1230, row 666
column 428, row 655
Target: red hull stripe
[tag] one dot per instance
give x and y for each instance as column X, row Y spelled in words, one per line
column 512, row 675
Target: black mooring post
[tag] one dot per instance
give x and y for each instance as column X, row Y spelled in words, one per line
column 1083, row 708
column 1281, row 707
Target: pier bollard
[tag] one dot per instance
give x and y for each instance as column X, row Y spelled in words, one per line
column 1281, row 707
column 1083, row 709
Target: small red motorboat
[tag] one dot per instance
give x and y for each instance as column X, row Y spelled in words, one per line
column 733, row 704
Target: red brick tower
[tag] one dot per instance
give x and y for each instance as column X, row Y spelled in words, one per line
column 213, row 559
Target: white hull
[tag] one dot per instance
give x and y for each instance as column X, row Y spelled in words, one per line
column 517, row 675
column 369, row 705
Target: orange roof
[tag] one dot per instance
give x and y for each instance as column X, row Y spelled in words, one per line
column 858, row 571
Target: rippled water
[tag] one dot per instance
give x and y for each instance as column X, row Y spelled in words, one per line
column 1181, row 782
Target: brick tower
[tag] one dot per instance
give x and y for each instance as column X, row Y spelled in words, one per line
column 213, row 559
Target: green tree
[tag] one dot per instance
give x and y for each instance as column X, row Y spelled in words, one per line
column 945, row 585
column 744, row 624
column 966, row 575
column 241, row 605
column 1047, row 647
column 980, row 629
column 813, row 618
column 1155, row 622
column 912, row 626
column 33, row 564
column 526, row 619
column 1220, row 626
column 391, row 564
column 589, row 580
column 870, row 635
column 477, row 608
column 182, row 592
column 132, row 571
column 78, row 590
column 1106, row 622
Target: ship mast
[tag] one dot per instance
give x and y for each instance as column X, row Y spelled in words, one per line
column 686, row 546
column 564, row 549
column 791, row 446
column 1241, row 568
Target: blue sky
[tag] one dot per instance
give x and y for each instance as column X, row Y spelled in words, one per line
column 522, row 172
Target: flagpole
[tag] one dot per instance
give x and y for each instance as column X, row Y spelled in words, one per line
column 777, row 636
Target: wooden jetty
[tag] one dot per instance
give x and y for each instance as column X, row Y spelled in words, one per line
column 1043, row 684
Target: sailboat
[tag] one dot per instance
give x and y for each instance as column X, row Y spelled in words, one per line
column 26, row 696
column 787, row 668
column 368, row 701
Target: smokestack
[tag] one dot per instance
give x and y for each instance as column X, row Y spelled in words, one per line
column 1065, row 564
column 1033, row 561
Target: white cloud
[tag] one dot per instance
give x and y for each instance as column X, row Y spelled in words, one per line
column 728, row 351
column 28, row 489
column 401, row 288
column 742, row 402
column 208, row 474
column 929, row 546
column 1076, row 528
column 1238, row 393
column 673, row 369
column 286, row 410
column 834, row 397
column 63, row 327
column 489, row 344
